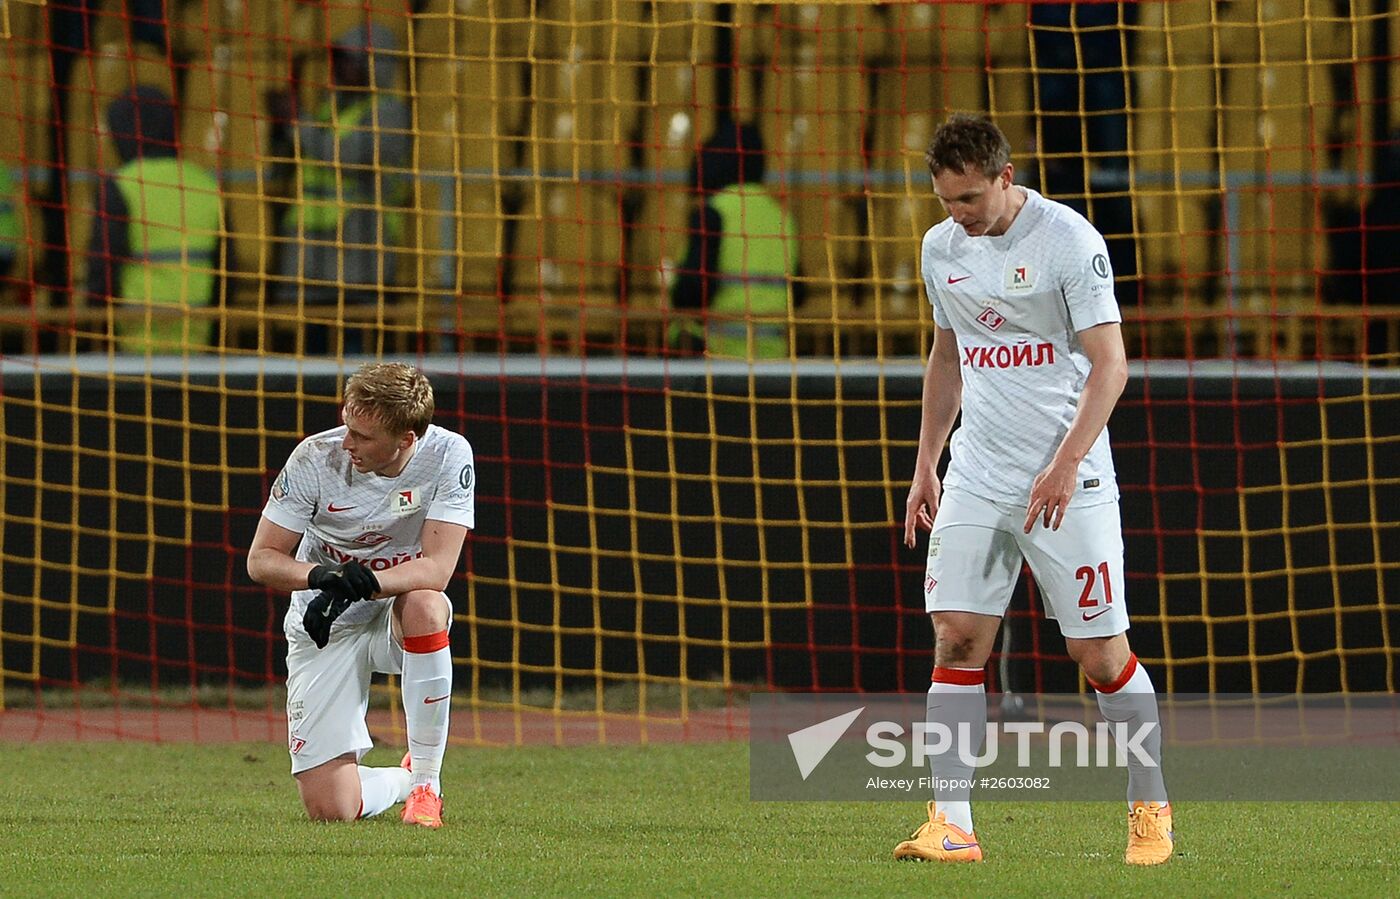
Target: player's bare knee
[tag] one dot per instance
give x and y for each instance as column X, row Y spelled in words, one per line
column 1102, row 659
column 327, row 812
column 962, row 641
column 956, row 647
column 421, row 612
column 956, row 651
column 331, row 791
column 323, row 803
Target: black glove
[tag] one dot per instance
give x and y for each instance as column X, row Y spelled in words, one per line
column 349, row 579
column 321, row 612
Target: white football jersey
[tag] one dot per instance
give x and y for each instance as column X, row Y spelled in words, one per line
column 1016, row 303
column 343, row 514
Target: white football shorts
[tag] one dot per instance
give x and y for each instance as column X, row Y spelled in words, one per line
column 975, row 553
column 328, row 689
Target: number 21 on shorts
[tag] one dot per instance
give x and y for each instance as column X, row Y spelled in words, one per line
column 1093, row 576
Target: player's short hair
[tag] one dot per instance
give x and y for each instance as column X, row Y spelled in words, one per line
column 396, row 395
column 968, row 143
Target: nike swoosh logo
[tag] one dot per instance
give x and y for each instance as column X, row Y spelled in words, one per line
column 954, row 847
column 952, row 280
column 1088, row 617
column 429, row 700
column 332, row 507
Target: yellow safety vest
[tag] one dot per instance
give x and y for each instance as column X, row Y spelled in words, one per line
column 325, row 195
column 748, row 310
column 9, row 214
column 173, row 234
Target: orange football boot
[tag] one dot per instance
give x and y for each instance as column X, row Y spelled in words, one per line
column 938, row 841
column 423, row 807
column 1150, row 838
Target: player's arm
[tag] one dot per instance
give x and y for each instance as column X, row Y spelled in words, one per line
column 941, row 402
column 442, row 547
column 272, row 558
column 272, row 562
column 1053, row 487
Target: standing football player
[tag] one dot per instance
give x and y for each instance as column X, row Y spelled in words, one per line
column 1028, row 347
column 365, row 527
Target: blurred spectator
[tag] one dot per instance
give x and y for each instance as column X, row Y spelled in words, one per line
column 10, row 231
column 156, row 240
column 1380, row 239
column 147, row 20
column 346, row 213
column 15, row 254
column 741, row 258
column 1083, row 58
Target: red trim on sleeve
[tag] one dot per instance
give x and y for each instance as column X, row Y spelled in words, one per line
column 1127, row 674
column 425, row 642
column 967, row 677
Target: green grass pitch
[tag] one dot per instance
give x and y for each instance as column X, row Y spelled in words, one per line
column 121, row 819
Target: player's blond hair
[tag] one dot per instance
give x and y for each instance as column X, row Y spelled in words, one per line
column 396, row 395
column 968, row 143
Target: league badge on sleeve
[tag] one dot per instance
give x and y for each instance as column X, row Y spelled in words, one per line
column 281, row 486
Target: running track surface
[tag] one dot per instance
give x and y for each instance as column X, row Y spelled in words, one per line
column 483, row 727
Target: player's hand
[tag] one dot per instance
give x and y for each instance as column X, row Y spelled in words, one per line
column 1050, row 493
column 321, row 613
column 349, row 579
column 921, row 506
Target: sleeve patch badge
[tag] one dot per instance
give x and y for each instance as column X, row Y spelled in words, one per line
column 281, row 486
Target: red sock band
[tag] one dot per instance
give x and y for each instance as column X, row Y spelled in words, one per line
column 1127, row 674
column 967, row 677
column 425, row 642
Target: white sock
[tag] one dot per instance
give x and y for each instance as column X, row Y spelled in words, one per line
column 381, row 788
column 965, row 706
column 427, row 694
column 1133, row 704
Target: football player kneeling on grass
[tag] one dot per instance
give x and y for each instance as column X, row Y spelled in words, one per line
column 364, row 527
